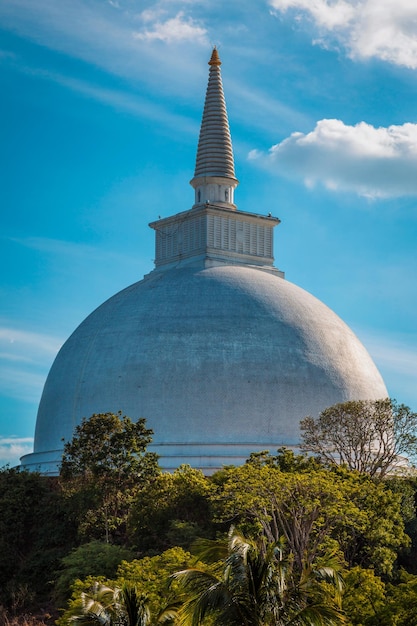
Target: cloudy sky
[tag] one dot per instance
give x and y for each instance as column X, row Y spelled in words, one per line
column 100, row 111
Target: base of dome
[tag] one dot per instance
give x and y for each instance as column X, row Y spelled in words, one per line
column 209, row 458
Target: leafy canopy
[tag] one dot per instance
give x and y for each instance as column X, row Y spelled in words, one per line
column 172, row 510
column 257, row 582
column 36, row 531
column 90, row 559
column 368, row 436
column 150, row 575
column 109, row 446
column 109, row 606
column 313, row 510
column 102, row 468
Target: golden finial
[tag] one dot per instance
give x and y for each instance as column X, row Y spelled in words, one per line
column 215, row 59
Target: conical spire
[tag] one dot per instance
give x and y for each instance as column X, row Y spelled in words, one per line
column 214, row 232
column 214, row 177
column 214, row 153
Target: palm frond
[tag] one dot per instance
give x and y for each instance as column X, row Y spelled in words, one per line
column 317, row 615
column 260, row 583
column 90, row 619
column 210, row 550
column 135, row 605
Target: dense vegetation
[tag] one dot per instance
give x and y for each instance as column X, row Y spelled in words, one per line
column 282, row 539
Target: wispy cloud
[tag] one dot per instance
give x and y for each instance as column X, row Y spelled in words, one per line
column 6, row 54
column 129, row 102
column 383, row 29
column 21, row 382
column 73, row 250
column 24, row 359
column 12, row 448
column 114, row 36
column 396, row 358
column 125, row 101
column 372, row 162
column 25, row 342
column 178, row 28
column 261, row 110
column 395, row 355
column 59, row 25
column 26, row 355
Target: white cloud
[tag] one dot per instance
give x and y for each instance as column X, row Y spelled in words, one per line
column 372, row 162
column 151, row 15
column 178, row 28
column 384, row 29
column 104, row 34
column 327, row 13
column 12, row 448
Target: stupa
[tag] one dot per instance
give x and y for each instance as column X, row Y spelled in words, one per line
column 214, row 347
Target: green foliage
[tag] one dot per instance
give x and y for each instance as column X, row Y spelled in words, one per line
column 406, row 488
column 368, row 436
column 401, row 604
column 300, row 508
column 171, row 510
column 150, row 575
column 313, row 509
column 378, row 533
column 285, row 460
column 258, row 582
column 364, row 597
column 35, row 532
column 109, row 447
column 90, row 559
column 102, row 468
column 109, row 606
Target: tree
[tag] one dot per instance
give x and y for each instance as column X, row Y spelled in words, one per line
column 172, row 510
column 364, row 597
column 368, row 436
column 90, row 559
column 102, row 468
column 107, row 606
column 258, row 583
column 35, row 533
column 285, row 460
column 401, row 603
column 149, row 574
column 313, row 510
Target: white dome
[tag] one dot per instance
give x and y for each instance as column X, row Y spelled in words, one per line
column 219, row 353
column 220, row 361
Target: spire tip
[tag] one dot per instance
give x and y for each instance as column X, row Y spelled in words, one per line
column 215, row 59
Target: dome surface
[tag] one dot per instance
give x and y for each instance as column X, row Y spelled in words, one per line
column 221, row 362
column 220, row 354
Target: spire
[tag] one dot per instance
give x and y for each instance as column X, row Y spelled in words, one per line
column 213, row 232
column 214, row 177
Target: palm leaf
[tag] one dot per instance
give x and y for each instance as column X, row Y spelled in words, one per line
column 259, row 583
column 135, row 606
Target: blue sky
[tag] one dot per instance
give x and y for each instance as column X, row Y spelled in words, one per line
column 100, row 111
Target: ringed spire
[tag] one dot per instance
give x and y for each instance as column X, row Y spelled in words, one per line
column 214, row 177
